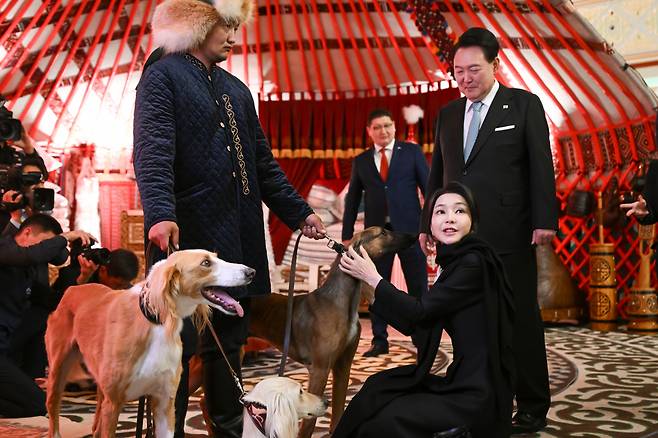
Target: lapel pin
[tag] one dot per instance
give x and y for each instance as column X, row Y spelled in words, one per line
column 505, row 106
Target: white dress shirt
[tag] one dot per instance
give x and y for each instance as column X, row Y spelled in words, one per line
column 388, row 150
column 486, row 103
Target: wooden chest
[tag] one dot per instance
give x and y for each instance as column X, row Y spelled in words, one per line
column 132, row 235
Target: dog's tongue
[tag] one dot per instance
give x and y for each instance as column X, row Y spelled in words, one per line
column 229, row 302
column 223, row 299
column 238, row 309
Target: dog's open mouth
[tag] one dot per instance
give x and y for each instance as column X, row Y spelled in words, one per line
column 222, row 299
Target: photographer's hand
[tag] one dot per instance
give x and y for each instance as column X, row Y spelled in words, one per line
column 25, row 142
column 87, row 269
column 13, row 197
column 638, row 208
column 162, row 233
column 85, row 237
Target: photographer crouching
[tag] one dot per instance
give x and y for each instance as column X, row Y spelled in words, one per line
column 22, row 175
column 38, row 241
column 115, row 269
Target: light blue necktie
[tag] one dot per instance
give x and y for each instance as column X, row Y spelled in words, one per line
column 473, row 129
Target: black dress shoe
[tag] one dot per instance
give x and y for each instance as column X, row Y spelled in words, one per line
column 455, row 432
column 524, row 422
column 376, row 350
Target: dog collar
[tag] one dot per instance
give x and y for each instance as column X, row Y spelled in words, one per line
column 336, row 246
column 258, row 414
column 152, row 317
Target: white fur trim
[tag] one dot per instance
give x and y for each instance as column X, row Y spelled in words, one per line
column 182, row 25
column 235, row 10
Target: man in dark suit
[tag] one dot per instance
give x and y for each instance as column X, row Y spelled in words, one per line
column 390, row 174
column 495, row 140
column 39, row 240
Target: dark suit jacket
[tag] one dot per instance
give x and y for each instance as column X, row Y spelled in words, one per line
column 19, row 268
column 209, row 179
column 397, row 197
column 510, row 171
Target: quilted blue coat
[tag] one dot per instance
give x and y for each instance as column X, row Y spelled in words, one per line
column 202, row 160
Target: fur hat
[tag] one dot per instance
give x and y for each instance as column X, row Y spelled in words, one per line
column 182, row 25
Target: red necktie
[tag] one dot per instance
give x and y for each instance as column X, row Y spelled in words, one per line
column 383, row 164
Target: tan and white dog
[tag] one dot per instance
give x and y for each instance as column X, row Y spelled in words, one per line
column 274, row 407
column 132, row 353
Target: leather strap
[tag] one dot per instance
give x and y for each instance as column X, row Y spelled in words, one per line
column 258, row 414
column 291, row 293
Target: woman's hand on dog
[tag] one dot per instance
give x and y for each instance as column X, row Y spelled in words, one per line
column 360, row 266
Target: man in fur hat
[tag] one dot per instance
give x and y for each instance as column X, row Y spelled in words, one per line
column 203, row 167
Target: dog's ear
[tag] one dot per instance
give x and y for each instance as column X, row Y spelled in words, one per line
column 282, row 418
column 161, row 288
column 362, row 238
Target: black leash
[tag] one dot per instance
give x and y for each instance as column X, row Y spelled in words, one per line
column 291, row 293
column 334, row 245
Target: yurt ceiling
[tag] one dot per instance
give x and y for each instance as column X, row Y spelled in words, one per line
column 69, row 67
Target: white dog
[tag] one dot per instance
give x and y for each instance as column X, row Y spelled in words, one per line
column 275, row 406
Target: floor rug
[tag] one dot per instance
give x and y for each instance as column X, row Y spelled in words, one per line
column 604, row 384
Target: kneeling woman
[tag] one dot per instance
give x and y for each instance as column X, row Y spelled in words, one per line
column 471, row 300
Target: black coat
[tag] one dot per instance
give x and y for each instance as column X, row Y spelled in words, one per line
column 19, row 268
column 510, row 169
column 396, row 197
column 202, row 160
column 471, row 301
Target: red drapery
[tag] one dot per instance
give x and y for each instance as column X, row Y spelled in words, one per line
column 333, row 126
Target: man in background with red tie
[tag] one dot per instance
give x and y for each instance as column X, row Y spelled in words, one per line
column 389, row 175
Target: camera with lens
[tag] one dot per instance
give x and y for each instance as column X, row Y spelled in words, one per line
column 12, row 175
column 100, row 256
column 10, row 128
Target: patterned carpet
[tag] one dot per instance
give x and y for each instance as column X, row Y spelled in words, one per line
column 604, row 384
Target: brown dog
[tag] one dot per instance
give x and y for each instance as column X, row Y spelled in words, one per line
column 325, row 323
column 131, row 353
